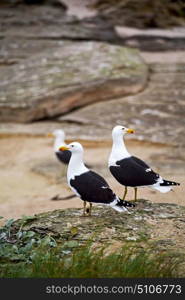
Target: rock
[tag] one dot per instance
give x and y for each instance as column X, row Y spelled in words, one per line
column 46, row 26
column 73, row 76
column 157, row 113
column 108, row 226
column 43, row 27
column 152, row 39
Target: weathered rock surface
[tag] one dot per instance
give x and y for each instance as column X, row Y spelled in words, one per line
column 26, row 30
column 159, row 225
column 152, row 39
column 74, row 75
column 41, row 32
column 157, row 113
column 43, row 26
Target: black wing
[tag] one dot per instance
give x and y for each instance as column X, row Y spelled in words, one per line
column 92, row 188
column 130, row 173
column 140, row 162
column 100, row 178
column 63, row 156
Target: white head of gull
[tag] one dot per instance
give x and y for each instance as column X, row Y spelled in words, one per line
column 59, row 135
column 119, row 150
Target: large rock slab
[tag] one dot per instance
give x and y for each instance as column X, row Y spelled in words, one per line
column 157, row 113
column 73, row 75
column 26, row 30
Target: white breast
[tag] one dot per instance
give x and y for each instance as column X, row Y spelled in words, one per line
column 76, row 166
column 118, row 153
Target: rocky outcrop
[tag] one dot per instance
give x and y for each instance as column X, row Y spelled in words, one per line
column 158, row 225
column 44, row 31
column 156, row 113
column 74, row 75
column 146, row 218
column 43, row 27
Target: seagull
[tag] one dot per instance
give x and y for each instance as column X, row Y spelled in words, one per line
column 131, row 171
column 63, row 157
column 59, row 135
column 88, row 185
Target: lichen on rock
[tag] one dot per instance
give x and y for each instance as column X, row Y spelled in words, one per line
column 148, row 223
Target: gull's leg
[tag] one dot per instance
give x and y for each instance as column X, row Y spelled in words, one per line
column 125, row 193
column 84, row 208
column 135, row 194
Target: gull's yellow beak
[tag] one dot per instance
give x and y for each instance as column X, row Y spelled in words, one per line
column 50, row 134
column 63, row 148
column 129, row 130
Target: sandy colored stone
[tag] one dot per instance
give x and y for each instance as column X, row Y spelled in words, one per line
column 157, row 113
column 70, row 77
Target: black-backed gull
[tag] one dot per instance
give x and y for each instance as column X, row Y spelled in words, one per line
column 88, row 185
column 64, row 156
column 131, row 171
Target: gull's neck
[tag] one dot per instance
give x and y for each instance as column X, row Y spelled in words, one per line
column 59, row 141
column 119, row 150
column 76, row 166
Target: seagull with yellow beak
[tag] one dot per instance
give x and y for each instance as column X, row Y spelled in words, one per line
column 131, row 171
column 88, row 185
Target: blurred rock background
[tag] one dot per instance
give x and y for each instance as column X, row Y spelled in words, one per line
column 85, row 66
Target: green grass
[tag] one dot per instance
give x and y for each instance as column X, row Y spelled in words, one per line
column 83, row 263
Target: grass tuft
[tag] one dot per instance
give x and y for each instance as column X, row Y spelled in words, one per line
column 83, row 263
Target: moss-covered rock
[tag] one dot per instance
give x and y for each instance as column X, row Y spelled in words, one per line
column 148, row 223
column 149, row 229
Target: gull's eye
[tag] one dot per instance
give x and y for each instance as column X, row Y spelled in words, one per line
column 72, row 145
column 123, row 128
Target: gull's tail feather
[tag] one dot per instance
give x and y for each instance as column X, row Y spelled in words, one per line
column 126, row 203
column 165, row 185
column 121, row 205
column 168, row 183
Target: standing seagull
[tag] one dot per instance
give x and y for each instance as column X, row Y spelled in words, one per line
column 88, row 185
column 130, row 170
column 64, row 156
